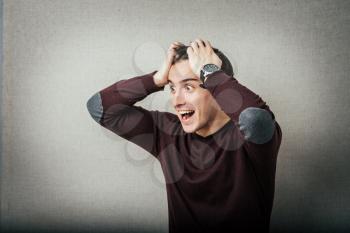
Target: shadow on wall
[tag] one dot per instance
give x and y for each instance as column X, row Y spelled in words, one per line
column 86, row 228
column 116, row 230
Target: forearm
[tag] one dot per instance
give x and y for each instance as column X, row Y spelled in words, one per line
column 114, row 98
column 232, row 96
column 113, row 108
column 244, row 107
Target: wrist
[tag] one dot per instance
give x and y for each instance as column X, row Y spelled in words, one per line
column 208, row 69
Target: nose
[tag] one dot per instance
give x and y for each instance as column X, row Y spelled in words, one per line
column 178, row 99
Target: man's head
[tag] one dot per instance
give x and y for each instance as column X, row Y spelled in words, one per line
column 181, row 54
column 205, row 113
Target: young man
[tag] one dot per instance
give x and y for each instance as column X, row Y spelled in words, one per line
column 218, row 152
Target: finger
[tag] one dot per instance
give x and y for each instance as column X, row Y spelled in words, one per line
column 189, row 51
column 200, row 43
column 207, row 44
column 176, row 44
column 195, row 43
column 194, row 46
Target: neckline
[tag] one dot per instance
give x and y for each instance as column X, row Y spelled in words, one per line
column 226, row 125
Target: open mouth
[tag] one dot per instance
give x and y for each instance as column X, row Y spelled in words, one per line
column 187, row 115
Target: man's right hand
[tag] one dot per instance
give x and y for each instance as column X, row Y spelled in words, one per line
column 161, row 76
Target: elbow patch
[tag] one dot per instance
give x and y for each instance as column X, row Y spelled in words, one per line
column 94, row 105
column 257, row 125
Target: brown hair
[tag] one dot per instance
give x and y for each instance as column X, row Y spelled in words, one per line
column 181, row 54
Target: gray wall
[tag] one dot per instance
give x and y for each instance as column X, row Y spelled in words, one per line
column 60, row 170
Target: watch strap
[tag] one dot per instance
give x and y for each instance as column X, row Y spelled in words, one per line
column 204, row 73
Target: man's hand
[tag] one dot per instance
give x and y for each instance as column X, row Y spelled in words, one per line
column 200, row 53
column 161, row 76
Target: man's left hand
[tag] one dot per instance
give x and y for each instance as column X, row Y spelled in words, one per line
column 200, row 53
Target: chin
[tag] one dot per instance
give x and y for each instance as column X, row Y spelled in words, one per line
column 189, row 128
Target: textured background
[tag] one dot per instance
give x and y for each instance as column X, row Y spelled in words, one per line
column 60, row 170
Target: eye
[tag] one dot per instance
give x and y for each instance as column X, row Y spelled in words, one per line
column 189, row 87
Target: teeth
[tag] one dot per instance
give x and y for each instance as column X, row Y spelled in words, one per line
column 185, row 111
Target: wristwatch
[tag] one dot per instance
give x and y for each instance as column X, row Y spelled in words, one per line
column 206, row 70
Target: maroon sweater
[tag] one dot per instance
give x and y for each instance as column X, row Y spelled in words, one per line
column 220, row 183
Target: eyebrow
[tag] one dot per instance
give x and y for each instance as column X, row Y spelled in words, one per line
column 186, row 80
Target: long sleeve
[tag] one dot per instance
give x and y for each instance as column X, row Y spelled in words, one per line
column 256, row 122
column 113, row 108
column 245, row 108
column 253, row 117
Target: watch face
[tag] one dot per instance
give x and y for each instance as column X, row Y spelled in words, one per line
column 210, row 68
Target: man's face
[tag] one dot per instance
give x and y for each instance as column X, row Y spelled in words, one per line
column 186, row 94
